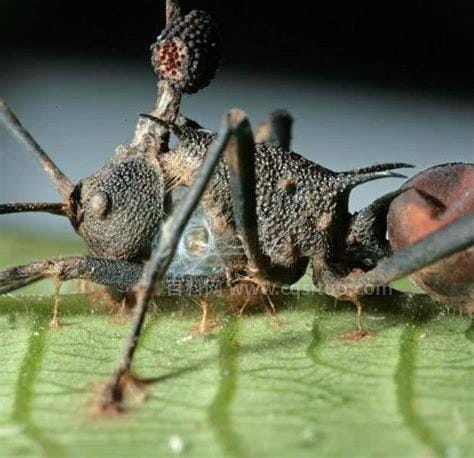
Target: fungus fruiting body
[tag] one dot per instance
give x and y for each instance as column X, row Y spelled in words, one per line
column 187, row 52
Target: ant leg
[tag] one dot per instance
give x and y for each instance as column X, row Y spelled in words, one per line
column 203, row 326
column 44, row 207
column 447, row 240
column 240, row 159
column 60, row 181
column 325, row 277
column 161, row 257
column 121, row 275
column 358, row 315
column 54, row 323
column 276, row 130
column 116, row 274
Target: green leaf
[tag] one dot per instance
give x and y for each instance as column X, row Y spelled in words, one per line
column 250, row 388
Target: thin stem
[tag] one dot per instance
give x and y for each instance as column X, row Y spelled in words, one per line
column 167, row 104
column 173, row 8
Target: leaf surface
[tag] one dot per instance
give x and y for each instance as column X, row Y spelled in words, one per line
column 251, row 388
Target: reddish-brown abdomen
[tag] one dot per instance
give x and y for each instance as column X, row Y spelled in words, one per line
column 431, row 200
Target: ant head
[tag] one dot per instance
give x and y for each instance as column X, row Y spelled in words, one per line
column 118, row 210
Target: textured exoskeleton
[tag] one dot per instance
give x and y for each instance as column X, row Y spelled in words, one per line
column 301, row 207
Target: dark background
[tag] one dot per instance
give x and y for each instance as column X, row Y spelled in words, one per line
column 429, row 44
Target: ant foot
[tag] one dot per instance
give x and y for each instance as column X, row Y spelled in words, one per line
column 122, row 385
column 355, row 336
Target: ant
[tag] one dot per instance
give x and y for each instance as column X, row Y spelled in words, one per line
column 281, row 209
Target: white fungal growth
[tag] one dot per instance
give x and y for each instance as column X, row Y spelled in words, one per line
column 199, row 252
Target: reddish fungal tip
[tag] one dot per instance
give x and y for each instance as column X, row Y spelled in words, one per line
column 187, row 52
column 432, row 199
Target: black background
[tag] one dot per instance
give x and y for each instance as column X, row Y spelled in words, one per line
column 426, row 44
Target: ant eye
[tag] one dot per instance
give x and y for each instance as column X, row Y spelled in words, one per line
column 100, row 204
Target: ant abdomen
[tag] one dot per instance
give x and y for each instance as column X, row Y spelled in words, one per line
column 431, row 200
